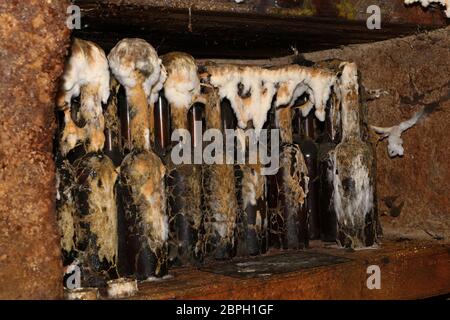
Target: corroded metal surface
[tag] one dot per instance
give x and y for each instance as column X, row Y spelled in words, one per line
column 32, row 50
column 254, row 28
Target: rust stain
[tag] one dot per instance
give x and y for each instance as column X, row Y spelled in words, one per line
column 346, row 9
column 415, row 270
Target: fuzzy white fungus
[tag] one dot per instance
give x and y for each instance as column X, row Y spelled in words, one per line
column 251, row 90
column 182, row 82
column 394, row 134
column 86, row 75
column 122, row 288
column 87, row 66
column 134, row 60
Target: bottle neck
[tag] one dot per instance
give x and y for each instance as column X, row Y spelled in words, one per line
column 304, row 126
column 124, row 114
column 350, row 113
column 308, row 126
column 350, row 124
column 162, row 121
column 329, row 127
column 350, row 104
column 194, row 118
column 284, row 124
column 227, row 115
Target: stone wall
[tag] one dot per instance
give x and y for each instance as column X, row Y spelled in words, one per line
column 414, row 71
column 32, row 49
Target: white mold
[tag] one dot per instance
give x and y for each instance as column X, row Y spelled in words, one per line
column 251, row 89
column 394, row 134
column 122, row 288
column 182, row 82
column 133, row 61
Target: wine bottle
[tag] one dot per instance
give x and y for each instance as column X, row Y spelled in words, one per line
column 353, row 172
column 252, row 218
column 304, row 137
column 252, row 223
column 96, row 232
column 182, row 90
column 141, row 186
column 291, row 222
column 327, row 141
column 185, row 212
column 66, row 209
column 84, row 168
column 219, row 189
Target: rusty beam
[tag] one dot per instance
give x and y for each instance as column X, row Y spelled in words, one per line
column 409, row 270
column 252, row 29
column 33, row 47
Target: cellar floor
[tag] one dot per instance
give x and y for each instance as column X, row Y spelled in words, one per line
column 409, row 269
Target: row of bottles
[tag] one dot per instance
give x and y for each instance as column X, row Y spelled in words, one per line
column 127, row 210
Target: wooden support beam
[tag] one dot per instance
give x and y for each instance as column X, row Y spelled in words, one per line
column 409, row 270
column 252, row 29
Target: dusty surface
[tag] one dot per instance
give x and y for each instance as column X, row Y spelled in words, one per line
column 410, row 270
column 32, row 50
column 414, row 71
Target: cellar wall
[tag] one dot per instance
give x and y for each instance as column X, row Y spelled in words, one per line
column 33, row 46
column 414, row 71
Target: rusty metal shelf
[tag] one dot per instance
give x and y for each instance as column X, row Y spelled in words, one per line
column 409, row 270
column 252, row 29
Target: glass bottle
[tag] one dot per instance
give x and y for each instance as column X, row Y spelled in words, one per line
column 162, row 125
column 185, row 212
column 354, row 170
column 327, row 141
column 291, row 221
column 304, row 134
column 219, row 188
column 142, row 200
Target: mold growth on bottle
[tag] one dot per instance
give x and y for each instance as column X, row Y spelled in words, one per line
column 353, row 171
column 184, row 189
column 101, row 176
column 113, row 148
column 96, row 216
column 253, row 223
column 66, row 207
column 181, row 87
column 251, row 89
column 219, row 193
column 136, row 65
column 86, row 76
column 142, row 187
column 290, row 221
column 283, row 121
